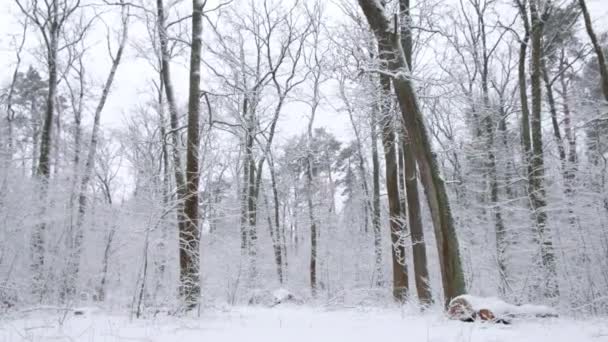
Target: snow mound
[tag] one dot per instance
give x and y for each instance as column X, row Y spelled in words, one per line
column 267, row 298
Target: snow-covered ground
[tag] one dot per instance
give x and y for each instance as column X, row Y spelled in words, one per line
column 294, row 324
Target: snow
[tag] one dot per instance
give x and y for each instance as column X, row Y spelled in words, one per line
column 281, row 295
column 293, row 324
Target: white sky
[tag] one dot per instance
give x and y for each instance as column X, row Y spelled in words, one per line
column 132, row 83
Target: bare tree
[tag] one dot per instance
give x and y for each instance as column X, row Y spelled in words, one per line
column 50, row 18
column 75, row 241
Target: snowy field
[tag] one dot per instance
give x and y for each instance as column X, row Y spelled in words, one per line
column 294, row 324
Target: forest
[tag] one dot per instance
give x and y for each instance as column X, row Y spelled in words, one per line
column 180, row 157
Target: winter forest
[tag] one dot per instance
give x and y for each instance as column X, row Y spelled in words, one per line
column 187, row 158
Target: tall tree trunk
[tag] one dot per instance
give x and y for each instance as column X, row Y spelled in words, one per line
column 376, row 197
column 309, row 190
column 421, row 273
column 161, row 245
column 248, row 146
column 367, row 205
column 414, row 214
column 44, row 172
column 252, row 199
column 180, row 182
column 278, row 238
column 537, row 190
column 601, row 59
column 568, row 130
column 189, row 238
column 396, row 219
column 488, row 115
column 554, row 121
column 311, row 217
column 447, row 241
column 75, row 243
column 523, row 94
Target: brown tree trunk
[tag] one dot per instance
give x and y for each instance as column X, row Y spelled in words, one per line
column 180, row 182
column 376, row 196
column 189, row 237
column 554, row 121
column 397, row 224
column 447, row 241
column 43, row 171
column 277, row 240
column 537, row 190
column 523, row 94
column 601, row 59
column 421, row 273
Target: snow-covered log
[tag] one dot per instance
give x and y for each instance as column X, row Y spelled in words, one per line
column 469, row 308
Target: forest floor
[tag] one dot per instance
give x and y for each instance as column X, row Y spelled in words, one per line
column 293, row 324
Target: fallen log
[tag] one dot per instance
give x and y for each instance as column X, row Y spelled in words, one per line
column 468, row 308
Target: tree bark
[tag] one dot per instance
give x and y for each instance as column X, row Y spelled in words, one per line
column 523, row 94
column 601, row 59
column 421, row 273
column 559, row 141
column 396, row 219
column 180, row 182
column 75, row 245
column 43, row 172
column 189, row 237
column 447, row 241
column 277, row 240
column 537, row 190
column 376, row 197
column 488, row 121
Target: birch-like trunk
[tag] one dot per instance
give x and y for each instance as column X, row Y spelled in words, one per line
column 75, row 241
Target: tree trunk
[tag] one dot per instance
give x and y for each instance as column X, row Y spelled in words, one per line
column 537, row 191
column 180, row 182
column 313, row 225
column 161, row 245
column 43, row 172
column 447, row 241
column 376, row 197
column 277, row 241
column 367, row 205
column 76, row 244
column 488, row 114
column 601, row 59
column 554, row 121
column 396, row 220
column 523, row 94
column 421, row 273
column 189, row 237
